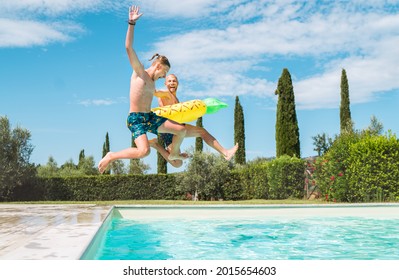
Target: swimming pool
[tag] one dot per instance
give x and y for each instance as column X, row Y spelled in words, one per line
column 350, row 232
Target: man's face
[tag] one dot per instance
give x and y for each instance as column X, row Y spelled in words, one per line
column 171, row 83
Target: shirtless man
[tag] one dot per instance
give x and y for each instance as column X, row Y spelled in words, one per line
column 169, row 98
column 140, row 119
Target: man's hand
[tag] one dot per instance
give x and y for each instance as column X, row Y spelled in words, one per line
column 134, row 14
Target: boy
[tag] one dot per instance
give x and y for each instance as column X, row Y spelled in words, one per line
column 140, row 119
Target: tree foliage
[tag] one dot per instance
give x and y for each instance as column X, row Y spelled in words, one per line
column 287, row 131
column 138, row 167
column 375, row 127
column 199, row 143
column 346, row 124
column 106, row 146
column 360, row 166
column 239, row 132
column 162, row 164
column 48, row 170
column 106, row 149
column 322, row 143
column 85, row 166
column 205, row 175
column 15, row 152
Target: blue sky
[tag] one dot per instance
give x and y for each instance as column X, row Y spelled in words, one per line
column 64, row 72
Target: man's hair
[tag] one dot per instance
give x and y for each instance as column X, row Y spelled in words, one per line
column 161, row 59
column 177, row 80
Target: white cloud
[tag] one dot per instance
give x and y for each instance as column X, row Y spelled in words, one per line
column 102, row 101
column 25, row 33
column 361, row 38
column 368, row 76
column 96, row 102
column 225, row 46
column 26, row 23
column 31, row 8
column 184, row 9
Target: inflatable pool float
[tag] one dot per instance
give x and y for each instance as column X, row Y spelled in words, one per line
column 190, row 110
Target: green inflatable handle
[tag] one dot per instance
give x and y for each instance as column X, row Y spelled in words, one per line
column 213, row 105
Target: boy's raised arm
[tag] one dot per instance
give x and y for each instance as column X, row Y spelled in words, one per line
column 131, row 53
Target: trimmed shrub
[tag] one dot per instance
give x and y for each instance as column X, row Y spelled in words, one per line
column 233, row 188
column 253, row 179
column 373, row 169
column 106, row 187
column 281, row 178
column 360, row 167
column 286, row 176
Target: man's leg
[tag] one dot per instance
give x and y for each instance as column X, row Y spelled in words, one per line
column 179, row 132
column 196, row 131
column 165, row 154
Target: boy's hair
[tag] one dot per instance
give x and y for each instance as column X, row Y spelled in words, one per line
column 161, row 59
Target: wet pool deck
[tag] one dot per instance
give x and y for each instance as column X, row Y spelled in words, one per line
column 63, row 232
column 48, row 232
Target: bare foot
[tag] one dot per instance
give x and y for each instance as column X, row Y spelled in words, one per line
column 230, row 153
column 104, row 162
column 154, row 144
column 181, row 156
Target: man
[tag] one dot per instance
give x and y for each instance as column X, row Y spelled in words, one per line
column 141, row 120
column 169, row 98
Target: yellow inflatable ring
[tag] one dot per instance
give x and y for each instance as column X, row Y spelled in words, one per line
column 190, row 110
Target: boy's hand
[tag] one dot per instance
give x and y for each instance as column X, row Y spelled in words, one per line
column 134, row 14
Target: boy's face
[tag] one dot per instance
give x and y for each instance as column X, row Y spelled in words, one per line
column 171, row 83
column 161, row 71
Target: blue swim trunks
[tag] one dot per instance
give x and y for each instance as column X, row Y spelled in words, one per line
column 167, row 138
column 141, row 123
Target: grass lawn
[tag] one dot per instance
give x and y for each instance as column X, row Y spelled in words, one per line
column 179, row 202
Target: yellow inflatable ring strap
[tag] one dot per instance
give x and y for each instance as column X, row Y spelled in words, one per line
column 190, row 110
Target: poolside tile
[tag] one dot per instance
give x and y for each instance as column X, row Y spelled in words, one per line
column 44, row 232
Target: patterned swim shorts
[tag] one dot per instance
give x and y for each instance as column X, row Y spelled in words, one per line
column 141, row 123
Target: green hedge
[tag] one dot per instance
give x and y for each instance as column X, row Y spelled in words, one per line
column 106, row 187
column 281, row 178
column 286, row 178
column 360, row 167
column 373, row 169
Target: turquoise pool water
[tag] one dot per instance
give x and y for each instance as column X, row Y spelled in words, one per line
column 259, row 237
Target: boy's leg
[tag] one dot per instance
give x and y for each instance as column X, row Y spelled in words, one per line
column 196, row 131
column 142, row 150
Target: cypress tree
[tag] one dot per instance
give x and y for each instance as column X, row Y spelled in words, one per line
column 199, row 144
column 287, row 131
column 81, row 157
column 162, row 164
column 239, row 132
column 106, row 149
column 344, row 110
